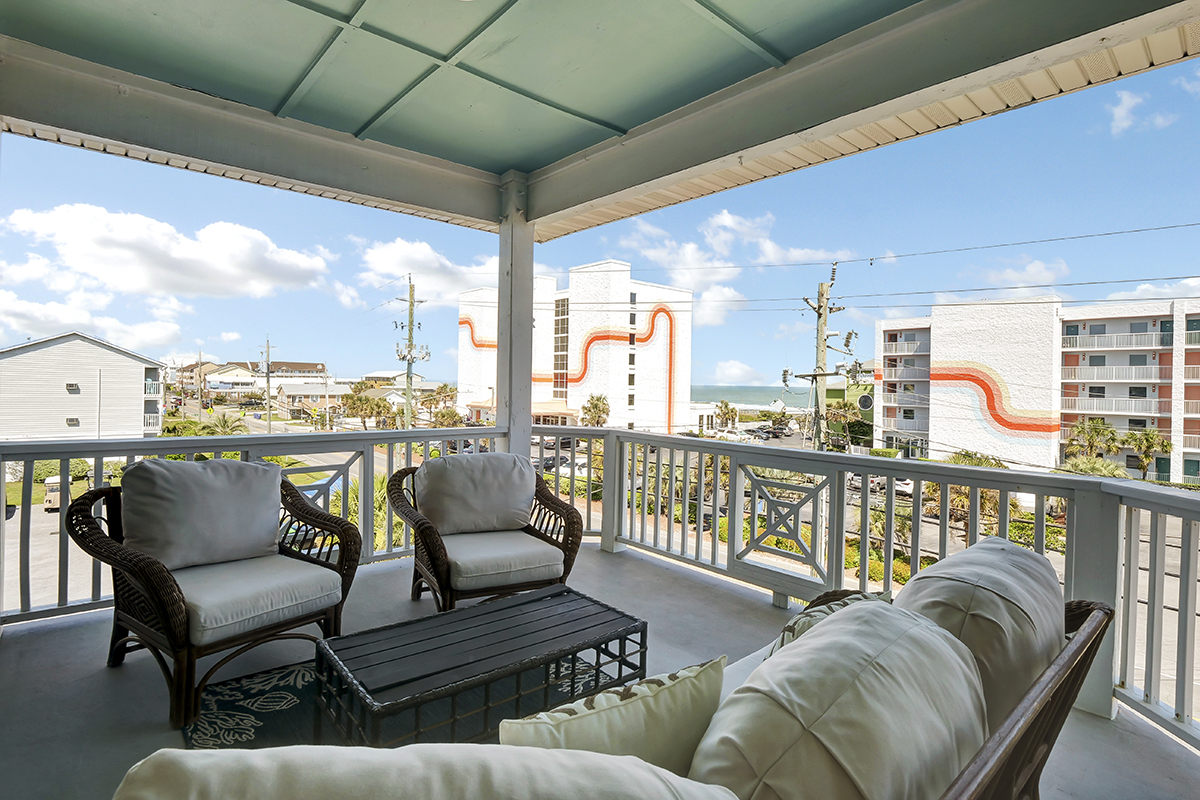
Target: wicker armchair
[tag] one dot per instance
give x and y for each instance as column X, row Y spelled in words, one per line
column 150, row 612
column 553, row 521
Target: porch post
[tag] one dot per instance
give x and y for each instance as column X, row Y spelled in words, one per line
column 1094, row 554
column 514, row 320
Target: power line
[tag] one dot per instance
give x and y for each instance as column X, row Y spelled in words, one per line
column 1023, row 286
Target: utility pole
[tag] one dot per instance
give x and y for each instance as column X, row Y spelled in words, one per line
column 266, row 365
column 199, row 386
column 410, row 354
column 822, row 310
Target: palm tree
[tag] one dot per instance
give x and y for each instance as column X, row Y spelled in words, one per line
column 1092, row 465
column 1146, row 443
column 960, row 496
column 223, row 425
column 595, row 411
column 1093, row 437
column 447, row 418
column 726, row 415
column 842, row 412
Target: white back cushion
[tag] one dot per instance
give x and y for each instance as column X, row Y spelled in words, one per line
column 659, row 719
column 424, row 771
column 1004, row 603
column 800, row 624
column 476, row 492
column 874, row 703
column 186, row 513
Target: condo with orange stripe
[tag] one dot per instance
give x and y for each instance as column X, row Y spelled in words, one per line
column 603, row 333
column 1011, row 378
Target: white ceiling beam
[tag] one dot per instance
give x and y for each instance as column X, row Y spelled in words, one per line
column 930, row 51
column 48, row 88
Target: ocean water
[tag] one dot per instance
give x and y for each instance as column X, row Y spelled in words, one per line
column 750, row 395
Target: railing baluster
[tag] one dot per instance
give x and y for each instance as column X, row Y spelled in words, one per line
column 914, row 539
column 889, row 531
column 835, row 543
column 389, row 515
column 631, row 487
column 587, row 502
column 1129, row 603
column 658, row 492
column 23, row 552
column 1002, row 525
column 1155, row 596
column 685, row 519
column 64, row 541
column 1039, row 524
column 700, row 489
column 97, row 572
column 973, row 517
column 1185, row 652
column 714, row 538
column 672, row 503
column 943, row 521
column 645, row 496
column 864, row 533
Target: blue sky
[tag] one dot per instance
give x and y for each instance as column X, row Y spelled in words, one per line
column 170, row 262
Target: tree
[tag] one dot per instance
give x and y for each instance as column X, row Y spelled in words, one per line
column 842, row 412
column 364, row 406
column 726, row 415
column 595, row 411
column 223, row 424
column 960, row 496
column 447, row 418
column 360, row 387
column 1093, row 437
column 1092, row 465
column 1146, row 443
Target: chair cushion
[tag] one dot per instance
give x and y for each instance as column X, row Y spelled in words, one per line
column 224, row 600
column 874, row 703
column 476, row 492
column 660, row 719
column 186, row 513
column 500, row 558
column 800, row 624
column 1004, row 603
column 426, row 771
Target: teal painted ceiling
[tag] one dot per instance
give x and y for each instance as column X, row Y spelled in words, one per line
column 493, row 84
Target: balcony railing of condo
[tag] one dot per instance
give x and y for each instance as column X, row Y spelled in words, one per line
column 904, row 399
column 894, row 424
column 911, row 373
column 1114, row 340
column 1117, row 374
column 677, row 497
column 1067, row 427
column 151, row 422
column 152, row 388
column 1117, row 405
column 905, row 348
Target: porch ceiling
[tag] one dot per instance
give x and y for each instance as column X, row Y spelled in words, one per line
column 613, row 108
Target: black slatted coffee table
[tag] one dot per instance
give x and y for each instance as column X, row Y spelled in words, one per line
column 453, row 677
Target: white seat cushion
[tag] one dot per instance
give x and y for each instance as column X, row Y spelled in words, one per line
column 873, row 703
column 1004, row 603
column 187, row 513
column 660, row 719
column 477, row 492
column 425, row 771
column 235, row 597
column 500, row 558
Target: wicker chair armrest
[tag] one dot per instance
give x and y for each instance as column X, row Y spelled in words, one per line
column 426, row 540
column 146, row 575
column 314, row 535
column 557, row 522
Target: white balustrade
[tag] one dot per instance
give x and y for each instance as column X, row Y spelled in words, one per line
column 1106, row 341
column 1116, row 373
column 1118, row 405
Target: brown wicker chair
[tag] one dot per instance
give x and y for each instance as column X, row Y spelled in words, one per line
column 149, row 607
column 553, row 521
column 1010, row 763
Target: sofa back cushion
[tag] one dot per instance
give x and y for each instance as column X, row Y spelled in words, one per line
column 800, row 624
column 476, row 492
column 187, row 513
column 874, row 702
column 1004, row 603
column 426, row 771
column 660, row 719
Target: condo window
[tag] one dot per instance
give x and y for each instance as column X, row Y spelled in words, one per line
column 1137, row 391
column 630, row 399
column 632, row 339
column 631, row 379
column 1096, row 361
column 1138, row 360
column 1095, row 391
column 631, row 359
column 633, row 298
column 1137, row 423
column 1071, row 330
column 1098, row 329
column 908, row 413
column 1131, row 462
column 632, row 318
column 1137, row 327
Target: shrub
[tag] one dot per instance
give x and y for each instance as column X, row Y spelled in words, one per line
column 44, row 469
column 885, row 452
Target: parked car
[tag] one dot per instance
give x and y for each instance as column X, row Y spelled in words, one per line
column 877, row 482
column 730, row 435
column 904, row 486
column 782, row 430
column 550, row 463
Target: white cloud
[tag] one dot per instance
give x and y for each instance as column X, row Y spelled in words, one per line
column 437, row 278
column 735, row 373
column 723, row 228
column 713, row 305
column 1188, row 85
column 35, row 268
column 180, row 358
column 168, row 308
column 134, row 254
column 1189, row 287
column 1160, row 121
column 1122, row 113
column 230, row 336
column 1031, row 272
column 48, row 319
column 794, row 330
column 326, row 253
column 347, row 295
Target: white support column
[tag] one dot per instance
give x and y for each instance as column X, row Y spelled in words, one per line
column 1178, row 391
column 614, row 494
column 1094, row 547
column 514, row 322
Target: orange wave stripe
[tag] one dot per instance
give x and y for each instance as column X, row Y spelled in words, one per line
column 993, row 398
column 612, row 336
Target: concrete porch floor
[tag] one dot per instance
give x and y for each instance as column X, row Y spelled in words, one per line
column 71, row 727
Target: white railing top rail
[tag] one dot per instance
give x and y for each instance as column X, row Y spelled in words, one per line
column 261, row 444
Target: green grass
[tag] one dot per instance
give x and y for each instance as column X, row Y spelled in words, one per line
column 13, row 492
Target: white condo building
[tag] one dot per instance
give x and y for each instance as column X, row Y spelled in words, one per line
column 1010, row 379
column 605, row 334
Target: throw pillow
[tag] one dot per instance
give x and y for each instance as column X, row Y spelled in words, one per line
column 475, row 492
column 875, row 703
column 1004, row 603
column 659, row 720
column 186, row 513
column 425, row 771
column 798, row 625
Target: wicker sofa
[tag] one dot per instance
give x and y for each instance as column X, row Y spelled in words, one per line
column 1006, row 764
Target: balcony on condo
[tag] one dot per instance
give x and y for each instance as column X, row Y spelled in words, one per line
column 903, row 399
column 905, row 347
column 1118, row 405
column 1115, row 341
column 905, row 373
column 1124, row 374
column 899, row 424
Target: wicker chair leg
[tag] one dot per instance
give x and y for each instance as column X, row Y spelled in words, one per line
column 117, row 647
column 418, row 585
column 184, row 700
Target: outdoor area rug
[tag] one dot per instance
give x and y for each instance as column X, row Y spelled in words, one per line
column 277, row 707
